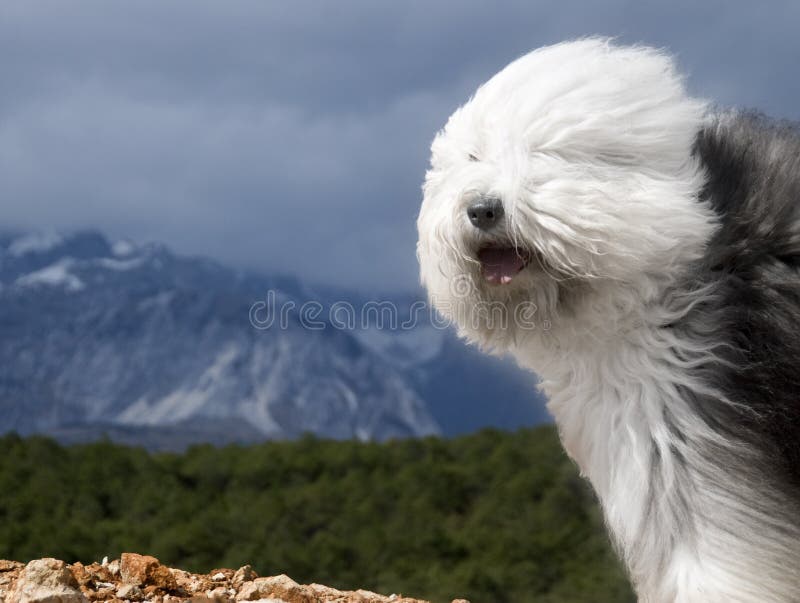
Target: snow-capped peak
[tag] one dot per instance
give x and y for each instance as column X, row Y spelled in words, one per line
column 34, row 243
column 55, row 275
column 123, row 248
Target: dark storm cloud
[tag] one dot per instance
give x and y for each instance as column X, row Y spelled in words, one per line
column 293, row 136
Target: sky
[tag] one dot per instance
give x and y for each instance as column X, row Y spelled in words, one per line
column 293, row 136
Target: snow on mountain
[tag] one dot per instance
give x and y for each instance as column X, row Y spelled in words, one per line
column 54, row 275
column 33, row 243
column 122, row 248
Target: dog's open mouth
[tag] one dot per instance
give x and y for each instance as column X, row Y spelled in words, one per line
column 500, row 265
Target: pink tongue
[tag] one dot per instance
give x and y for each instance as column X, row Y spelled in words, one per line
column 500, row 264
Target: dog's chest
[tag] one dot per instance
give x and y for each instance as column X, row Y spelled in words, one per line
column 607, row 409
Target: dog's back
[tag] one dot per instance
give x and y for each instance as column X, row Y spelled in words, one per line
column 753, row 263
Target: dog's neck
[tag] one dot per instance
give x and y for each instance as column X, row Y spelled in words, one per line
column 608, row 391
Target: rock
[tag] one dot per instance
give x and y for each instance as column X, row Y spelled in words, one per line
column 144, row 570
column 80, row 573
column 219, row 595
column 46, row 581
column 134, row 568
column 276, row 587
column 9, row 572
column 244, row 574
column 131, row 592
column 367, row 596
column 249, row 592
column 326, row 593
column 190, row 583
column 113, row 567
column 141, row 578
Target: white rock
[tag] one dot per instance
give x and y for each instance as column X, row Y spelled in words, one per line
column 130, row 592
column 46, row 581
column 113, row 567
column 219, row 594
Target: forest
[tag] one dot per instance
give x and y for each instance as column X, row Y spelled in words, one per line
column 491, row 517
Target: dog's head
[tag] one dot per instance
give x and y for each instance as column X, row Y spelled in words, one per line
column 568, row 174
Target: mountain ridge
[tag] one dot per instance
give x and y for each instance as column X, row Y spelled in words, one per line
column 101, row 337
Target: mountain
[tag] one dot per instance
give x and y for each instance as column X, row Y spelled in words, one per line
column 152, row 348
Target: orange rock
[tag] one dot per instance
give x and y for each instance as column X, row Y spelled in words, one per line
column 135, row 568
column 163, row 578
column 99, row 595
column 99, row 573
column 151, row 592
column 144, row 570
column 80, row 573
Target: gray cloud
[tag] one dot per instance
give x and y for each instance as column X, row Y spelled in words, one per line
column 293, row 137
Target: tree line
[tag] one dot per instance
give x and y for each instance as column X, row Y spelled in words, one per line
column 491, row 517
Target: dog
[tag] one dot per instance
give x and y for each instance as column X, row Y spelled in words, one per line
column 639, row 250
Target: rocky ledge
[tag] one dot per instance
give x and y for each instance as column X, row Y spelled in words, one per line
column 140, row 578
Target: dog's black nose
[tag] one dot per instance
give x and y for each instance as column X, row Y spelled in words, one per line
column 485, row 213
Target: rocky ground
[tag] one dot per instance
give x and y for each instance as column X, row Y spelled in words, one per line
column 139, row 578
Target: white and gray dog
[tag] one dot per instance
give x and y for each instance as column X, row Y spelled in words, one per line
column 641, row 253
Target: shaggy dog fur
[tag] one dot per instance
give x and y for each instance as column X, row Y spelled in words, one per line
column 645, row 263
